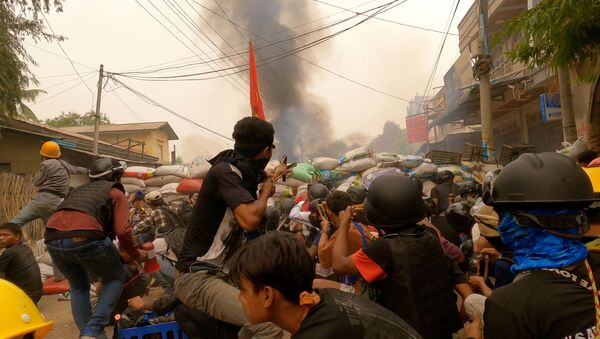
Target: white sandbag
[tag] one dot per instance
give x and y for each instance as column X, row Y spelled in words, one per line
column 199, row 171
column 371, row 174
column 428, row 185
column 133, row 181
column 355, row 154
column 424, row 170
column 270, row 168
column 454, row 169
column 359, row 165
column 573, row 150
column 151, row 189
column 291, row 182
column 162, row 180
column 325, row 163
column 411, row 161
column 169, row 188
column 178, row 170
column 132, row 188
column 386, row 157
column 140, row 172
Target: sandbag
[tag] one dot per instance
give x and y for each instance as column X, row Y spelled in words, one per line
column 189, row 185
column 387, row 157
column 169, row 188
column 305, row 172
column 411, row 161
column 454, row 169
column 335, row 176
column 133, row 181
column 283, row 191
column 355, row 154
column 325, row 163
column 199, row 171
column 370, row 175
column 573, row 150
column 140, row 172
column 358, row 165
column 469, row 166
column 152, row 189
column 424, row 170
column 178, row 170
column 132, row 188
column 162, row 180
column 291, row 182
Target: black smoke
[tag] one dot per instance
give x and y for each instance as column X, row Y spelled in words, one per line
column 301, row 120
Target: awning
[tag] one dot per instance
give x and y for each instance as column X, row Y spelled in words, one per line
column 469, row 101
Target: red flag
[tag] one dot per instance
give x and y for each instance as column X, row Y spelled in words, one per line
column 255, row 100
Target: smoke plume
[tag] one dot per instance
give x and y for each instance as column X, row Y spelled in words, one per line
column 301, row 120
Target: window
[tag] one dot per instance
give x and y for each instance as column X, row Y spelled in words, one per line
column 160, row 152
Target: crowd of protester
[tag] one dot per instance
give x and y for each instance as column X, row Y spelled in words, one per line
column 513, row 257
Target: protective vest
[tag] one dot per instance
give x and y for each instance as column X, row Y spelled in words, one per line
column 419, row 287
column 445, row 189
column 94, row 199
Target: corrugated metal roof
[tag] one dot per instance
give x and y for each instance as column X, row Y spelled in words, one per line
column 141, row 126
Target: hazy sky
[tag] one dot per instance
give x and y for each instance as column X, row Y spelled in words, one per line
column 392, row 58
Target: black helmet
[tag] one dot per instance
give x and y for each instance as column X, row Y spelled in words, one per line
column 107, row 169
column 357, row 194
column 459, row 218
column 444, row 176
column 540, row 180
column 394, row 201
column 285, row 206
column 468, row 187
column 314, row 205
column 317, row 191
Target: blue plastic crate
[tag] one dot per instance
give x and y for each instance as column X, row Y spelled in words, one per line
column 166, row 330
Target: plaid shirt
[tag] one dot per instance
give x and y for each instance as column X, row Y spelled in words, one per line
column 156, row 220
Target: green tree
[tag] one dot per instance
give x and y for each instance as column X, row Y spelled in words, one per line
column 564, row 35
column 558, row 33
column 76, row 119
column 20, row 19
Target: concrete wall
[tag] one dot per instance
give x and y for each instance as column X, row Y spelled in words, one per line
column 152, row 139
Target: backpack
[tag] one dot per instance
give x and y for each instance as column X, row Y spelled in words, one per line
column 175, row 239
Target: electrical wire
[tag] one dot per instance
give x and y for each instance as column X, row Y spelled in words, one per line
column 387, row 20
column 439, row 55
column 63, row 91
column 187, row 77
column 153, row 102
column 60, row 56
column 113, row 90
column 68, row 58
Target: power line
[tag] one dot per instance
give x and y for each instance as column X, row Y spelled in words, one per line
column 68, row 58
column 113, row 90
column 63, row 91
column 439, row 55
column 153, row 102
column 387, row 20
column 187, row 77
column 60, row 56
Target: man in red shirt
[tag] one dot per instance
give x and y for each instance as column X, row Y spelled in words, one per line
column 79, row 239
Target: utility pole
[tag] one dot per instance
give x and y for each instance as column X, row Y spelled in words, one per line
column 97, row 122
column 482, row 69
column 566, row 103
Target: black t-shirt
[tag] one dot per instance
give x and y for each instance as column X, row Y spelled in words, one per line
column 18, row 265
column 348, row 316
column 221, row 189
column 544, row 304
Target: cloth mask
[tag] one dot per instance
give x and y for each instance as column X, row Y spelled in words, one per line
column 535, row 248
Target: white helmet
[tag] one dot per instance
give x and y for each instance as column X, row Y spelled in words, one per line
column 153, row 196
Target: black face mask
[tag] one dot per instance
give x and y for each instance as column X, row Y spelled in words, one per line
column 259, row 164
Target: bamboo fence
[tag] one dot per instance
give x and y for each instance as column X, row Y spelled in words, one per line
column 15, row 192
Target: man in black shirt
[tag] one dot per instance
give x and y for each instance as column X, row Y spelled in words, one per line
column 275, row 273
column 227, row 206
column 540, row 198
column 442, row 196
column 17, row 262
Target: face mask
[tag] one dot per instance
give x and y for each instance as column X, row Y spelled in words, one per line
column 259, row 164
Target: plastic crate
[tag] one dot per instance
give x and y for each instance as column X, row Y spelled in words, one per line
column 168, row 330
column 444, row 157
column 475, row 153
column 510, row 153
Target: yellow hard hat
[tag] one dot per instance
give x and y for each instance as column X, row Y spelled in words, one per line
column 594, row 174
column 50, row 149
column 19, row 315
